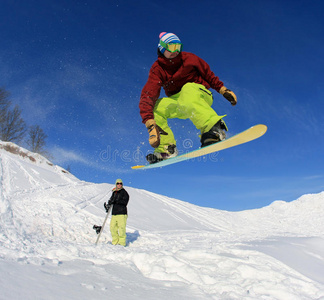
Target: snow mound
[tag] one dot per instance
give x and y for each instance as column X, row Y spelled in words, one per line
column 175, row 249
column 27, row 170
column 24, row 154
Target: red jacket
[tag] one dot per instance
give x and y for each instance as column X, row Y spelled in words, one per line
column 172, row 75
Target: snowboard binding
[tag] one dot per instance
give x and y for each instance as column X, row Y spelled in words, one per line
column 97, row 228
column 214, row 135
column 171, row 151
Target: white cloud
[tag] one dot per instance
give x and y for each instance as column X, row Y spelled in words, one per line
column 64, row 156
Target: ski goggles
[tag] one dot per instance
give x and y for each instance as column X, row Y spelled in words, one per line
column 171, row 47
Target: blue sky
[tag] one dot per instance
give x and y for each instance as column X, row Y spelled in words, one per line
column 77, row 69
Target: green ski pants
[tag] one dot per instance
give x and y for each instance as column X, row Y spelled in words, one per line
column 118, row 229
column 192, row 102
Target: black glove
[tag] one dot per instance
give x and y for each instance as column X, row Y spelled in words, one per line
column 107, row 206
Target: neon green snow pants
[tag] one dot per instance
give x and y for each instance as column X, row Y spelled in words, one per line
column 118, row 229
column 192, row 102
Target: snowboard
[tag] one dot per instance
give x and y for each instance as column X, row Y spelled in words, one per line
column 99, row 229
column 248, row 135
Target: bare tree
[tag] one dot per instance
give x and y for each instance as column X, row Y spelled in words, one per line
column 12, row 126
column 36, row 140
column 4, row 103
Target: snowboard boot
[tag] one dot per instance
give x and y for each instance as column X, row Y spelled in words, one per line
column 155, row 157
column 214, row 135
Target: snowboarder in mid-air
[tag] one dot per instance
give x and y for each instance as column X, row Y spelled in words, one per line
column 186, row 80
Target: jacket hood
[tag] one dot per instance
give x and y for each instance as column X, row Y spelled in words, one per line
column 115, row 188
column 118, row 180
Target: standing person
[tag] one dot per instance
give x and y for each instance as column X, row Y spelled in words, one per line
column 119, row 199
column 186, row 80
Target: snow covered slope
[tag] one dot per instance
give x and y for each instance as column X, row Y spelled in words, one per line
column 174, row 250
